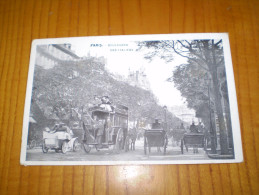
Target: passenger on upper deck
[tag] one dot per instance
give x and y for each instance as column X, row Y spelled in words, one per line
column 106, row 104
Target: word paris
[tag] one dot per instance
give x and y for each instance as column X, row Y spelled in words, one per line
column 142, row 99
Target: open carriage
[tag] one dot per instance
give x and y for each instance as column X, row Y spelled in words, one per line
column 59, row 139
column 195, row 140
column 155, row 138
column 108, row 128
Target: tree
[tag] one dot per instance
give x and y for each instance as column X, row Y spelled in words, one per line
column 66, row 91
column 205, row 55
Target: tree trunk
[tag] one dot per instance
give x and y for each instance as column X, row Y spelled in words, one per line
column 229, row 126
column 219, row 110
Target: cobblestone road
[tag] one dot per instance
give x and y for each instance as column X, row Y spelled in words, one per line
column 172, row 153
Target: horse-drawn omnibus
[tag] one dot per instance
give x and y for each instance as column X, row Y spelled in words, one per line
column 108, row 127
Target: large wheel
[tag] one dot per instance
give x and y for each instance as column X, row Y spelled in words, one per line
column 44, row 148
column 87, row 148
column 64, row 147
column 76, row 146
column 32, row 144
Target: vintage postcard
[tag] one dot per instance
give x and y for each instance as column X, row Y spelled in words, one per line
column 139, row 99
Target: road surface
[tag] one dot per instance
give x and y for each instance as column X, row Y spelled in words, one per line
column 172, row 153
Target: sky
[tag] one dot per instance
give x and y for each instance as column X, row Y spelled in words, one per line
column 157, row 71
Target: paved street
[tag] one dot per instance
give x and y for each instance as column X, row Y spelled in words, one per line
column 172, row 153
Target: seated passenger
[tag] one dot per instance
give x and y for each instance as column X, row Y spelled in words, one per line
column 193, row 128
column 63, row 127
column 156, row 125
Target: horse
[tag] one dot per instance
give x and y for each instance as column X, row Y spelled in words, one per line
column 132, row 136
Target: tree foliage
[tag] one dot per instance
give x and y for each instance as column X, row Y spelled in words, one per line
column 65, row 91
column 204, row 72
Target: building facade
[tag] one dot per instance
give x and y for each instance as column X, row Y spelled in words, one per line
column 48, row 56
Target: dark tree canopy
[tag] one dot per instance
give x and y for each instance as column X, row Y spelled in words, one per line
column 204, row 72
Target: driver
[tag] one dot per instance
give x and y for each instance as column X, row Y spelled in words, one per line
column 156, row 125
column 100, row 131
column 65, row 128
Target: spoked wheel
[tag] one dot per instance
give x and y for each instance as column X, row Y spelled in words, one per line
column 87, row 148
column 32, row 144
column 119, row 141
column 76, row 146
column 44, row 148
column 64, row 147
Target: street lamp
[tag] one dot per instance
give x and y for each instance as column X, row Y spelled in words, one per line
column 212, row 133
column 165, row 109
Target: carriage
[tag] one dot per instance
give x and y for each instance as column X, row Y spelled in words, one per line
column 195, row 140
column 112, row 122
column 155, row 138
column 59, row 139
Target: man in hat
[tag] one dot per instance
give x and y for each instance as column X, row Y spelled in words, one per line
column 193, row 128
column 156, row 125
column 106, row 104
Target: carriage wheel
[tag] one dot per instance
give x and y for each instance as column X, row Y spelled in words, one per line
column 87, row 148
column 32, row 144
column 44, row 148
column 64, row 147
column 182, row 146
column 76, row 146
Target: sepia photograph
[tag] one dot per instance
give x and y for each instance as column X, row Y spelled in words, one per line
column 139, row 99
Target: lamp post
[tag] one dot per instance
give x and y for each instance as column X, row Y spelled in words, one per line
column 212, row 133
column 165, row 110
